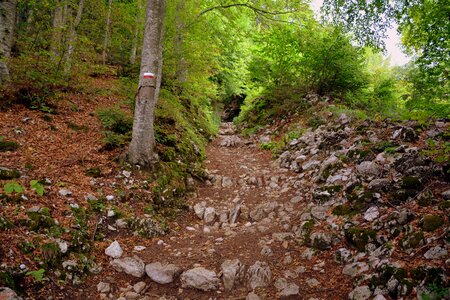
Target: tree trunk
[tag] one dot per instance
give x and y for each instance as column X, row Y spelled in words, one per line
column 141, row 151
column 7, row 26
column 137, row 28
column 72, row 38
column 58, row 26
column 107, row 32
column 181, row 67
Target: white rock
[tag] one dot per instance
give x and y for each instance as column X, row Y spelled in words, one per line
column 114, row 250
column 210, row 215
column 103, row 287
column 131, row 265
column 199, row 278
column 371, row 214
column 139, row 248
column 160, row 273
column 252, row 296
column 139, row 286
column 63, row 246
column 110, row 197
column 436, row 253
column 290, row 290
column 259, row 275
column 360, row 293
column 233, row 271
column 65, row 192
column 199, row 210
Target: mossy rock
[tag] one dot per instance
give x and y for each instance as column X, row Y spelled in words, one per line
column 429, row 276
column 402, row 195
column 412, row 183
column 8, row 174
column 432, row 222
column 93, row 172
column 444, row 205
column 412, row 240
column 359, row 237
column 8, row 146
column 5, row 223
column 343, row 210
column 40, row 218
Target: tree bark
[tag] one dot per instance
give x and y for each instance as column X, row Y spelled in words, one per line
column 58, row 26
column 7, row 26
column 181, row 71
column 107, row 32
column 72, row 38
column 142, row 147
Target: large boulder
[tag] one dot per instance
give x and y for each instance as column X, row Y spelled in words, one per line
column 162, row 273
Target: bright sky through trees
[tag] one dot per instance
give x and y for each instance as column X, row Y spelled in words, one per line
column 393, row 43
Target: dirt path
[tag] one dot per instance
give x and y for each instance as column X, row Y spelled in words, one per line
column 244, row 178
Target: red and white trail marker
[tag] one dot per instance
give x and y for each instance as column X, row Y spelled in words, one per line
column 149, row 75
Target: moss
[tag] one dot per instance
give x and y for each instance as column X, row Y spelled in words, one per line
column 8, row 174
column 40, row 218
column 8, row 146
column 412, row 240
column 50, row 254
column 7, row 279
column 411, row 182
column 93, row 172
column 5, row 223
column 26, row 247
column 432, row 222
column 343, row 210
column 360, row 237
column 402, row 195
column 444, row 205
column 383, row 146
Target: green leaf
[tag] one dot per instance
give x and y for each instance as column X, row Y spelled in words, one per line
column 38, row 275
column 37, row 187
column 13, row 187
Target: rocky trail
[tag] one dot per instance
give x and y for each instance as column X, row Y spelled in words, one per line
column 265, row 229
column 240, row 240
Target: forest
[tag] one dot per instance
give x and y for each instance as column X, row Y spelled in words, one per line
column 116, row 118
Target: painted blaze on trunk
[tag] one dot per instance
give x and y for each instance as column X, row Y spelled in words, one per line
column 142, row 147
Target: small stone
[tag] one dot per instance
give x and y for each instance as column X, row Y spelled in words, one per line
column 62, row 245
column 110, row 197
column 65, row 192
column 131, row 295
column 131, row 265
column 199, row 278
column 121, row 223
column 139, row 287
column 259, row 275
column 360, row 293
column 209, row 215
column 355, row 269
column 227, row 182
column 139, row 248
column 368, row 169
column 252, row 296
column 312, row 282
column 290, row 290
column 319, row 212
column 199, row 210
column 103, row 287
column 446, row 195
column 114, row 250
column 371, row 214
column 280, row 283
column 296, row 199
column 160, row 273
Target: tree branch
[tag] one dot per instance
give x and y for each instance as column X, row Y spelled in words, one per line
column 246, row 5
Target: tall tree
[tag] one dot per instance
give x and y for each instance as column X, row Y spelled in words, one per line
column 107, row 32
column 7, row 26
column 73, row 38
column 141, row 150
column 137, row 28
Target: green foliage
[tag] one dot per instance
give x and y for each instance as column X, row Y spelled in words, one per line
column 115, row 120
column 37, row 275
column 13, row 187
column 37, row 187
column 7, row 145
